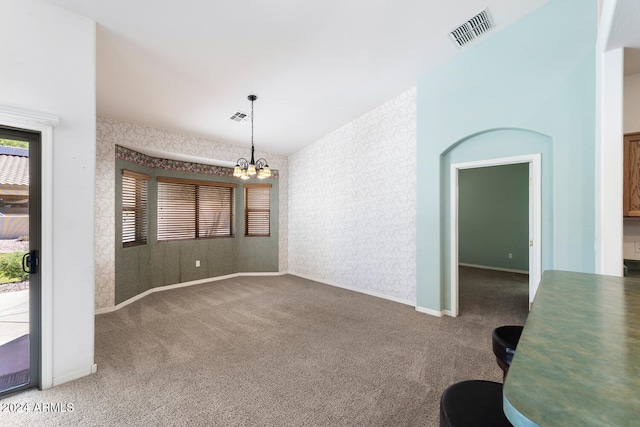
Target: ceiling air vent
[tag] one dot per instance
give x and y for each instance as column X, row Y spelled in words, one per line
column 474, row 27
column 239, row 117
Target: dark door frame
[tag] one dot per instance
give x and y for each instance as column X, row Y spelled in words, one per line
column 33, row 138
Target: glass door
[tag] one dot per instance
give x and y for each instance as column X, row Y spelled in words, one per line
column 19, row 259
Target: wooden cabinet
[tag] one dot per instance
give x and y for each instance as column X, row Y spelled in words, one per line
column 631, row 207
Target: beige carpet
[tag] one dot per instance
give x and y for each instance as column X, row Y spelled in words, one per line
column 281, row 351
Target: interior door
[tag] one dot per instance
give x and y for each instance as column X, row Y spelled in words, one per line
column 20, row 221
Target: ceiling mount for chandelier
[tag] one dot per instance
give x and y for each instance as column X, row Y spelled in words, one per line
column 246, row 169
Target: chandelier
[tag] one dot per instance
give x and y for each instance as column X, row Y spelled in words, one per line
column 246, row 169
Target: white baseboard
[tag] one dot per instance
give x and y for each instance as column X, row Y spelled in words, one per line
column 432, row 312
column 487, row 267
column 181, row 285
column 230, row 276
column 437, row 313
column 74, row 375
column 362, row 291
column 266, row 273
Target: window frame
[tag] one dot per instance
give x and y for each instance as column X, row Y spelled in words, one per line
column 248, row 210
column 197, row 208
column 140, row 208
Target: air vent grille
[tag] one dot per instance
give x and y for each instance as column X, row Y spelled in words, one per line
column 239, row 117
column 474, row 27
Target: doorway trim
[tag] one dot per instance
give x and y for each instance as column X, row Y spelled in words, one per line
column 43, row 123
column 535, row 216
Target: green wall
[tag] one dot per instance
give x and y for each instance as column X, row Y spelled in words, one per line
column 526, row 89
column 140, row 268
column 493, row 216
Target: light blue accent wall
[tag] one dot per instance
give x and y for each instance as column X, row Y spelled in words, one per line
column 529, row 88
column 493, row 216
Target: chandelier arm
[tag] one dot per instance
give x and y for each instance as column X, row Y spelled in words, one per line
column 260, row 163
column 243, row 163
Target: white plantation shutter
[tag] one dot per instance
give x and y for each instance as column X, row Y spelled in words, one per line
column 134, row 208
column 257, row 209
column 190, row 209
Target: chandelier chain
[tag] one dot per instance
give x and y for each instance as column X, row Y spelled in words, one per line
column 252, row 123
column 245, row 169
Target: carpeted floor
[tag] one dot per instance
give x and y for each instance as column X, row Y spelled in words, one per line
column 281, row 351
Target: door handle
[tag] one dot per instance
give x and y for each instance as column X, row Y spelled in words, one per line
column 30, row 262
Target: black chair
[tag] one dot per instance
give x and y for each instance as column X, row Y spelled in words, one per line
column 505, row 340
column 473, row 403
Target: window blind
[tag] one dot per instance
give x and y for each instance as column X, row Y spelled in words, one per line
column 134, row 208
column 216, row 211
column 190, row 209
column 176, row 211
column 257, row 210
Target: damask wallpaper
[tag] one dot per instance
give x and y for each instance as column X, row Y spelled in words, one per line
column 110, row 133
column 352, row 216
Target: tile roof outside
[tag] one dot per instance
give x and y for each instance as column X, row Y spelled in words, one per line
column 14, row 170
column 14, row 151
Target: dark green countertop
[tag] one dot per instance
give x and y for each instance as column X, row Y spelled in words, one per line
column 578, row 360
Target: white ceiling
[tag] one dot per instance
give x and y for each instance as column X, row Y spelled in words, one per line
column 188, row 65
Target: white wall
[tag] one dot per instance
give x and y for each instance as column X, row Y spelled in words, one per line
column 49, row 66
column 631, row 124
column 352, row 204
column 111, row 132
column 608, row 155
column 608, row 158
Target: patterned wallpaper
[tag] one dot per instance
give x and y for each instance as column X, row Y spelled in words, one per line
column 352, row 217
column 110, row 133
